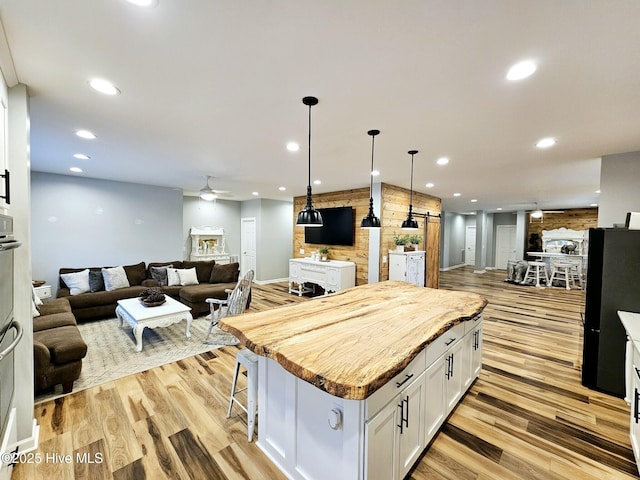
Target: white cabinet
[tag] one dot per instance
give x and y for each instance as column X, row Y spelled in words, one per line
column 631, row 323
column 208, row 243
column 407, row 267
column 332, row 275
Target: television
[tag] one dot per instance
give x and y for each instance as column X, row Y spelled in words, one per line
column 337, row 227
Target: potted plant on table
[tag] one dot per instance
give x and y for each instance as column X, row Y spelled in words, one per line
column 415, row 241
column 324, row 252
column 400, row 241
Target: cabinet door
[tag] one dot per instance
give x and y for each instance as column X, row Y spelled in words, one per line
column 412, row 418
column 415, row 269
column 435, row 410
column 294, row 271
column 397, row 267
column 381, row 445
column 454, row 381
column 476, row 353
column 333, row 279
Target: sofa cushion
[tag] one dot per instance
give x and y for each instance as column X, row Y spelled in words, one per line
column 115, row 278
column 199, row 293
column 61, row 319
column 96, row 281
column 97, row 299
column 173, row 278
column 136, row 273
column 56, row 305
column 203, row 269
column 65, row 344
column 175, row 264
column 225, row 273
column 77, row 282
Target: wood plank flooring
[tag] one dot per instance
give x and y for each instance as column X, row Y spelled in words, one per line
column 526, row 417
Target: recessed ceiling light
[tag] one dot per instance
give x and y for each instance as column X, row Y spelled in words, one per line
column 293, row 147
column 429, row 185
column 457, row 194
column 594, row 204
column 317, row 182
column 282, row 189
column 144, row 3
column 85, row 134
column 474, row 200
column 499, row 208
column 375, row 173
column 597, row 191
column 546, row 142
column 76, row 169
column 442, row 161
column 103, row 86
column 521, row 70
column 81, row 156
column 255, row 194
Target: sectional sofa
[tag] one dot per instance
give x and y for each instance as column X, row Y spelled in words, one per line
column 101, row 300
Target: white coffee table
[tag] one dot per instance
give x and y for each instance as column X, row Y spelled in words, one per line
column 140, row 316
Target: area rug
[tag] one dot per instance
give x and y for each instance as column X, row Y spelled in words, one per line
column 111, row 350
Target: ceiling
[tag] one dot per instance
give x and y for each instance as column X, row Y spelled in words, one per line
column 215, row 88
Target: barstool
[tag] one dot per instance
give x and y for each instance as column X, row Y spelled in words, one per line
column 248, row 360
column 565, row 270
column 535, row 270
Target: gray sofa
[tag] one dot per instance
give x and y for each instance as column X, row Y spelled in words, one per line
column 213, row 280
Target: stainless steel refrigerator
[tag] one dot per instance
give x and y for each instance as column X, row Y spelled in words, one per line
column 613, row 283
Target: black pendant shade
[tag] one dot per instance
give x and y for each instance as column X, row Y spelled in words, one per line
column 309, row 217
column 371, row 221
column 409, row 223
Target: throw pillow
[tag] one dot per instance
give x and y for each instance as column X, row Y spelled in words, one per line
column 114, row 278
column 172, row 277
column 225, row 273
column 159, row 274
column 35, row 303
column 77, row 282
column 135, row 273
column 188, row 276
column 96, row 281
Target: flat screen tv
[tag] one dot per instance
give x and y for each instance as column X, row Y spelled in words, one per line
column 337, row 227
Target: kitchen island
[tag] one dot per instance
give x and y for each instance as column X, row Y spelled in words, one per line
column 354, row 385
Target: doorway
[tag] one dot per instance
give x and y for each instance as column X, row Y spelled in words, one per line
column 505, row 245
column 247, row 245
column 470, row 246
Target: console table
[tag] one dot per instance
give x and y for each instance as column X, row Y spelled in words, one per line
column 332, row 275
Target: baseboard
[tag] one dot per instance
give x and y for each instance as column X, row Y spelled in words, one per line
column 446, row 269
column 274, row 280
column 480, row 271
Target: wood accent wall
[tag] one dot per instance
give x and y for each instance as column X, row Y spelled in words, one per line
column 358, row 253
column 395, row 205
column 574, row 219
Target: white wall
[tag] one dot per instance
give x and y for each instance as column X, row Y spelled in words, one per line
column 619, row 188
column 84, row 222
column 452, row 236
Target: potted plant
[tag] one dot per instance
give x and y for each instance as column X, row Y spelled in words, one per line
column 324, row 252
column 400, row 242
column 415, row 240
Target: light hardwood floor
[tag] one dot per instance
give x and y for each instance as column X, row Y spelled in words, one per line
column 526, row 417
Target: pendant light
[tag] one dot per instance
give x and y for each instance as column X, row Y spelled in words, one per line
column 410, row 223
column 309, row 217
column 371, row 221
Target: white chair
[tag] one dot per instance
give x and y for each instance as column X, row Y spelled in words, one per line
column 248, row 360
column 235, row 303
column 536, row 271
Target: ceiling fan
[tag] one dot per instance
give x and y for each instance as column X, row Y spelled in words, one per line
column 539, row 214
column 209, row 194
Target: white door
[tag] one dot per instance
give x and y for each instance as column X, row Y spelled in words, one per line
column 470, row 247
column 247, row 245
column 505, row 245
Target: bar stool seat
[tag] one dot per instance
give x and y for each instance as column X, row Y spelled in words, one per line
column 249, row 361
column 563, row 272
column 536, row 271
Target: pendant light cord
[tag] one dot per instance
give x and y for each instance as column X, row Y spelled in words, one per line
column 309, row 182
column 411, row 191
column 373, row 141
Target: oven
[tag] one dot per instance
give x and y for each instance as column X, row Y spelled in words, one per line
column 10, row 329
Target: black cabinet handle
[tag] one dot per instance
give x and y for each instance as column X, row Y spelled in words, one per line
column 635, row 404
column 407, row 378
column 7, row 191
column 451, row 365
column 401, row 406
column 450, row 341
column 637, row 372
column 406, row 418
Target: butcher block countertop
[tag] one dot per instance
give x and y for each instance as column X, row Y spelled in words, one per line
column 353, row 342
